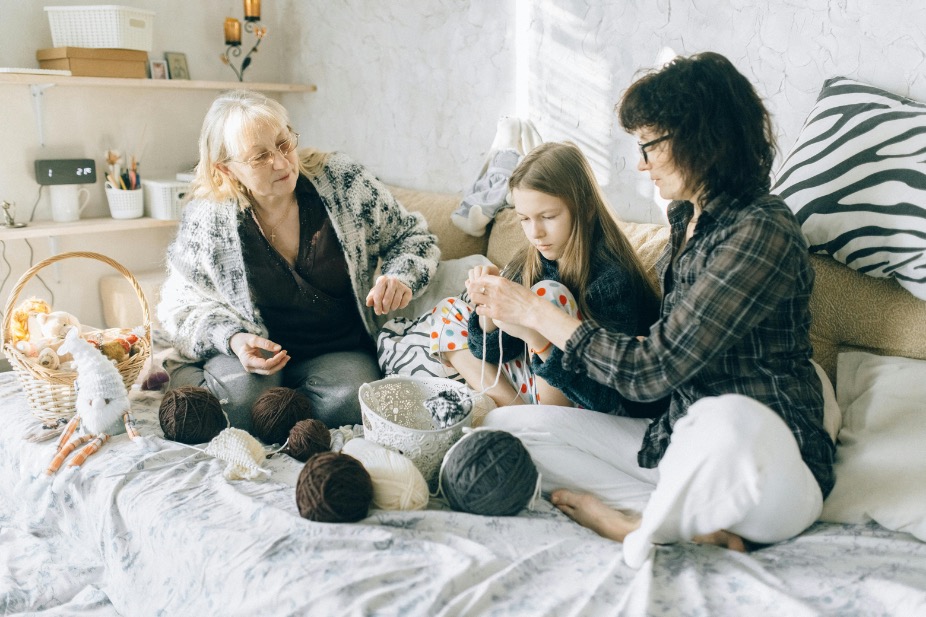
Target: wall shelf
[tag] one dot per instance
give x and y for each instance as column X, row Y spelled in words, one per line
column 50, row 229
column 31, row 79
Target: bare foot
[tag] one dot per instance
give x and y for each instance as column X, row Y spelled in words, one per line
column 589, row 511
column 722, row 538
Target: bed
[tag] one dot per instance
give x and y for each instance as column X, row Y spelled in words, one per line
column 156, row 529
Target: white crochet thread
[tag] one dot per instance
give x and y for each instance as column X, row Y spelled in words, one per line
column 242, row 452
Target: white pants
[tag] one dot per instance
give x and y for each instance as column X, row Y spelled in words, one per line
column 732, row 464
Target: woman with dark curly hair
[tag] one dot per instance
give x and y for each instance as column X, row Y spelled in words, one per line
column 741, row 455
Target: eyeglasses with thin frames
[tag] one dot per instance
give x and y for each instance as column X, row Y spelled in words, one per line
column 650, row 144
column 266, row 157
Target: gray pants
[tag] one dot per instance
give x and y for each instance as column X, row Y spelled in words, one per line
column 330, row 381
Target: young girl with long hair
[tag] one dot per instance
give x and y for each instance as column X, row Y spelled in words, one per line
column 577, row 258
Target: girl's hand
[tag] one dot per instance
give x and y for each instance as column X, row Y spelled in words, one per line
column 388, row 294
column 258, row 355
column 479, row 271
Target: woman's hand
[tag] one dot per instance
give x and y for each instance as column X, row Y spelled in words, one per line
column 388, row 294
column 510, row 304
column 257, row 354
column 534, row 339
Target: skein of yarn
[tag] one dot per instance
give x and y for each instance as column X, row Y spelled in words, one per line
column 308, row 438
column 334, row 488
column 489, row 473
column 190, row 415
column 276, row 412
column 397, row 483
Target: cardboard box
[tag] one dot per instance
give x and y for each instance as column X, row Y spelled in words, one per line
column 95, row 62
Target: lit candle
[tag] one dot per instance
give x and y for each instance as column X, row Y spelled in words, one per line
column 232, row 31
column 252, row 10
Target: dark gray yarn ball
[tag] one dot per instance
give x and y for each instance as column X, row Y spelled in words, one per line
column 489, row 473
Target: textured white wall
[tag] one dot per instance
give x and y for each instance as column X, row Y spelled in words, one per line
column 413, row 88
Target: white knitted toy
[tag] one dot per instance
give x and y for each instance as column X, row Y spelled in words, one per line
column 101, row 403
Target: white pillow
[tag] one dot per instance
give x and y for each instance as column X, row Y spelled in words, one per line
column 832, row 415
column 880, row 457
column 448, row 281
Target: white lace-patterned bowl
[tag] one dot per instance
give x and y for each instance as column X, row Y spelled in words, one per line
column 394, row 416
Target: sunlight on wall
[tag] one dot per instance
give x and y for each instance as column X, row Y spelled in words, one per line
column 569, row 84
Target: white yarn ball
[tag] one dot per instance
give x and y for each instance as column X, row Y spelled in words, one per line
column 397, row 483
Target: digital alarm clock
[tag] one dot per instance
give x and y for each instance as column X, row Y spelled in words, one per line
column 65, row 171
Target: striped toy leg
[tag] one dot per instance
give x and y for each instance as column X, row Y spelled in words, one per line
column 68, row 431
column 63, row 453
column 130, row 428
column 91, row 448
column 449, row 322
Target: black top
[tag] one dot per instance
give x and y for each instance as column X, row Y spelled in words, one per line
column 309, row 308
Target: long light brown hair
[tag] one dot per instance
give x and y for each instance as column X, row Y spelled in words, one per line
column 237, row 118
column 561, row 170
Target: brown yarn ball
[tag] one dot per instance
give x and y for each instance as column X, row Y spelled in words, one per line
column 308, row 438
column 276, row 412
column 191, row 414
column 334, row 488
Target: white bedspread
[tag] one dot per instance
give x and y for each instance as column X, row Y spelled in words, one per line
column 136, row 532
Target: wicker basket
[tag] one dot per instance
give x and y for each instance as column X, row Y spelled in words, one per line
column 394, row 416
column 51, row 391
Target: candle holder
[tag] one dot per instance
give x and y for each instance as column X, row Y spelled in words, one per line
column 233, row 37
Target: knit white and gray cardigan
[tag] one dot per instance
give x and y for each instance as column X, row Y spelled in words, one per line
column 206, row 299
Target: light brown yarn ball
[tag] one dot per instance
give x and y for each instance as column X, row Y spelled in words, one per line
column 276, row 412
column 334, row 488
column 190, row 414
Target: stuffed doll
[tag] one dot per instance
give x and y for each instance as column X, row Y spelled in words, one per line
column 101, row 403
column 20, row 319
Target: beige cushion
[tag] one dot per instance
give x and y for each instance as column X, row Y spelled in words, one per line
column 121, row 307
column 436, row 208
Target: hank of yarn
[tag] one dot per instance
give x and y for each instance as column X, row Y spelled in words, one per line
column 489, row 473
column 397, row 483
column 243, row 453
column 276, row 412
column 334, row 488
column 448, row 407
column 190, row 414
column 308, row 438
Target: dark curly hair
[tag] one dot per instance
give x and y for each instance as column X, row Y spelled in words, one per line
column 722, row 140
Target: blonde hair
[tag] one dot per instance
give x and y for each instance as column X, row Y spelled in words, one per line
column 238, row 117
column 561, row 170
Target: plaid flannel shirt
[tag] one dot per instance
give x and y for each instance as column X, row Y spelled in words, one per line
column 734, row 319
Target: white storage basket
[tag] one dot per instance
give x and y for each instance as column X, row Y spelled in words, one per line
column 125, row 204
column 109, row 26
column 394, row 416
column 164, row 198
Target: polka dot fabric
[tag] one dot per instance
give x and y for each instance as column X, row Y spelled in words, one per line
column 449, row 321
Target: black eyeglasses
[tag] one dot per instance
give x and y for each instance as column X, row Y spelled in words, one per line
column 650, row 144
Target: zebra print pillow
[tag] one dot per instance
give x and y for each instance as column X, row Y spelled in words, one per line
column 856, row 180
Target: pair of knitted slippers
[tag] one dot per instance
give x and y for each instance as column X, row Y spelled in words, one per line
column 489, row 193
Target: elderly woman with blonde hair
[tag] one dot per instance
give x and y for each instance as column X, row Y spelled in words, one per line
column 271, row 280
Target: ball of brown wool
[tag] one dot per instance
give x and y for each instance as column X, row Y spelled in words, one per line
column 190, row 414
column 276, row 412
column 334, row 488
column 308, row 438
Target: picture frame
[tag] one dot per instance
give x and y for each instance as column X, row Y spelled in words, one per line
column 176, row 64
column 158, row 69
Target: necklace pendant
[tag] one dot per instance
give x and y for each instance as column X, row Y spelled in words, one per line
column 273, row 237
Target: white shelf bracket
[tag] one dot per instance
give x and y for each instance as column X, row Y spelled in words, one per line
column 38, row 93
